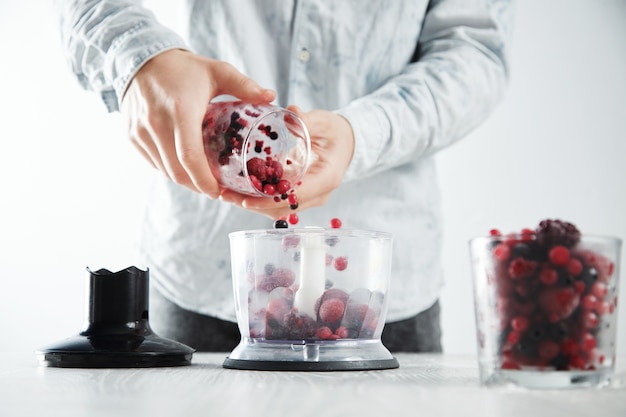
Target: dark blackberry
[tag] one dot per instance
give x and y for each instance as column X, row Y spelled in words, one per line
column 589, row 276
column 281, row 224
column 556, row 232
column 269, row 269
column 273, row 135
column 560, row 363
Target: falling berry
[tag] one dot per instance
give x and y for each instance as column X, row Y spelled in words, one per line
column 335, row 223
column 293, row 218
column 341, row 263
column 281, row 224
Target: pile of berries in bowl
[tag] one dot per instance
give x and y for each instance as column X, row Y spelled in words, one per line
column 546, row 300
column 311, row 294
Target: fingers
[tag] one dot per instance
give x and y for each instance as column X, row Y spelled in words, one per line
column 230, row 81
column 189, row 150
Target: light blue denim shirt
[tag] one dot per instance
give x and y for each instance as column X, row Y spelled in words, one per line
column 411, row 76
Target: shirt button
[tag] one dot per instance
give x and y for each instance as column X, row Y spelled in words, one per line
column 304, row 55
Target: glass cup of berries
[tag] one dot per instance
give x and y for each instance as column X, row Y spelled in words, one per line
column 255, row 149
column 546, row 306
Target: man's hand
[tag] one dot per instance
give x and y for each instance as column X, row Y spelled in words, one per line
column 332, row 146
column 164, row 107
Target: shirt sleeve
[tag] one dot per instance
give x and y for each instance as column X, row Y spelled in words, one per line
column 107, row 41
column 456, row 78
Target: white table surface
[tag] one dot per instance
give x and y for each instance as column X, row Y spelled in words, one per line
column 424, row 385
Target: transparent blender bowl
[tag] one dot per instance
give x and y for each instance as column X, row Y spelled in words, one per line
column 311, row 295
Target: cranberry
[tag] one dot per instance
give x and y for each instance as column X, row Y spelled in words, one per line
column 283, row 186
column 548, row 276
column 574, row 267
column 293, row 218
column 589, row 302
column 548, row 349
column 521, row 268
column 292, row 199
column 590, row 320
column 502, row 252
column 559, row 303
column 341, row 263
column 599, row 289
column 519, row 323
column 335, row 223
column 269, row 189
column 342, row 333
column 588, row 342
column 324, row 332
column 559, row 255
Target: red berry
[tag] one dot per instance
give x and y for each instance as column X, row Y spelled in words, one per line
column 341, row 263
column 256, row 183
column 548, row 276
column 569, row 347
column 548, row 350
column 331, row 310
column 574, row 267
column 579, row 286
column 495, row 232
column 269, row 189
column 292, row 198
column 599, row 289
column 513, row 337
column 502, row 252
column 559, row 255
column 324, row 332
column 521, row 268
column 590, row 320
column 293, row 218
column 527, row 235
column 587, row 342
column 510, row 365
column 603, row 307
column 559, row 303
column 283, row 186
column 519, row 323
column 342, row 333
column 589, row 302
column 335, row 223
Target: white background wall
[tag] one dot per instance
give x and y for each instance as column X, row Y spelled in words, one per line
column 71, row 186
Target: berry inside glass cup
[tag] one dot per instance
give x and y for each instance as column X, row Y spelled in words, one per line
column 546, row 306
column 258, row 150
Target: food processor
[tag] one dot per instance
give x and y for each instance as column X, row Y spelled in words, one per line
column 310, row 299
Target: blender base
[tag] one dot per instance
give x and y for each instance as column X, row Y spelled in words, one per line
column 310, row 355
column 358, row 365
